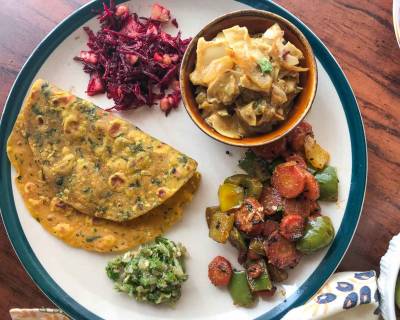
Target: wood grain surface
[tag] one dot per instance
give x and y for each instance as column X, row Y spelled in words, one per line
column 360, row 35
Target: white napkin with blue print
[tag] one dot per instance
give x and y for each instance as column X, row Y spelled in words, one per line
column 345, row 296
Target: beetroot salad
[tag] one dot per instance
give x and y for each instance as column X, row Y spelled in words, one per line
column 133, row 59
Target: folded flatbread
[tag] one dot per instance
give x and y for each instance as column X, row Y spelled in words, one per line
column 99, row 164
column 46, row 204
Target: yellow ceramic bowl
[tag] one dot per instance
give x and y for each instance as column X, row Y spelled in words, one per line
column 256, row 21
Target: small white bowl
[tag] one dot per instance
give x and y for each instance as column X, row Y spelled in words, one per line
column 390, row 266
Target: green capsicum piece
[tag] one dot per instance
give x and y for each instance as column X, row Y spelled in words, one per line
column 328, row 184
column 261, row 283
column 319, row 233
column 252, row 186
column 237, row 240
column 240, row 290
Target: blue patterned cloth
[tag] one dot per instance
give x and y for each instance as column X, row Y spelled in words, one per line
column 346, row 295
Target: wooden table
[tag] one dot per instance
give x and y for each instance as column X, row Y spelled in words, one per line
column 360, row 35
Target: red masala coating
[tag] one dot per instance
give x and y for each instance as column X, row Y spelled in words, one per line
column 311, row 187
column 289, row 179
column 249, row 218
column 270, row 226
column 251, row 255
column 272, row 150
column 299, row 205
column 255, row 270
column 315, row 208
column 265, row 294
column 292, row 227
column 298, row 158
column 271, row 200
column 281, row 252
column 220, row 271
column 297, row 135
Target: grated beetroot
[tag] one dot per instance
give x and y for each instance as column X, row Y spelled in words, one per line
column 133, row 60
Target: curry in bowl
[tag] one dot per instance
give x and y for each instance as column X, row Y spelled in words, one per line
column 246, row 85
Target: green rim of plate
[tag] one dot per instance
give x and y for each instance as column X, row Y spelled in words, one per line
column 344, row 234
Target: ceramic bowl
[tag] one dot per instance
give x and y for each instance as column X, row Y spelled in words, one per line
column 256, row 21
column 390, row 266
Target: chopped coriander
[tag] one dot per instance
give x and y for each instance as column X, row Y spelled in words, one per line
column 60, row 181
column 265, row 65
column 280, row 209
column 135, row 148
column 92, row 238
column 183, row 159
column 86, row 189
column 156, row 181
column 36, row 109
column 135, row 184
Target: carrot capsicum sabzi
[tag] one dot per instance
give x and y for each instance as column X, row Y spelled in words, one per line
column 271, row 214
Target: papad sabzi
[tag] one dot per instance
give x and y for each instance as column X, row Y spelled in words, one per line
column 78, row 229
column 99, row 164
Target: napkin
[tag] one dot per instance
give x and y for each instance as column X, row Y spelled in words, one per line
column 346, row 295
column 37, row 314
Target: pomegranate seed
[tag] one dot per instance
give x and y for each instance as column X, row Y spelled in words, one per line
column 121, row 11
column 166, row 59
column 88, row 57
column 95, row 85
column 158, row 57
column 160, row 13
column 165, row 105
column 132, row 58
column 175, row 85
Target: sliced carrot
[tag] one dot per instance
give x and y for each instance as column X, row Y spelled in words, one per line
column 249, row 218
column 300, row 205
column 298, row 158
column 311, row 187
column 289, row 179
column 292, row 227
column 281, row 252
column 271, row 200
column 220, row 271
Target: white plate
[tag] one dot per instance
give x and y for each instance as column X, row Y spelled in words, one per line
column 76, row 280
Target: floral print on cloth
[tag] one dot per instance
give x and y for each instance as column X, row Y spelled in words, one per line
column 346, row 295
column 37, row 314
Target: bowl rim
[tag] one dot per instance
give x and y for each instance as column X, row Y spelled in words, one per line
column 264, row 138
